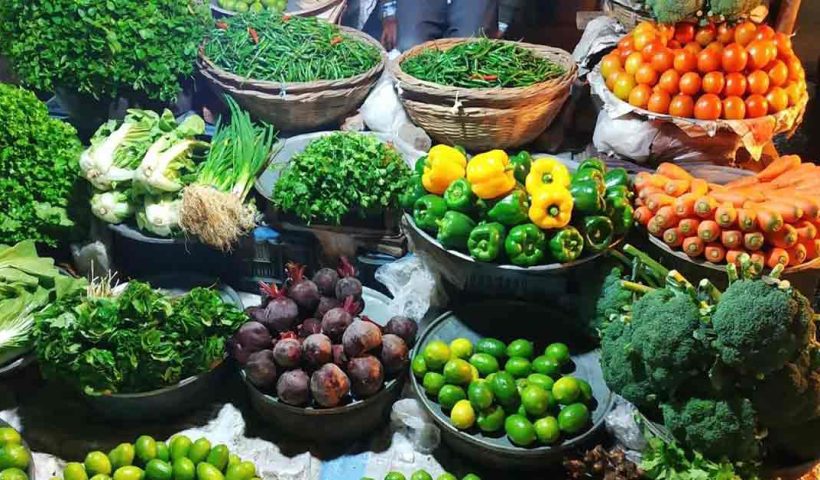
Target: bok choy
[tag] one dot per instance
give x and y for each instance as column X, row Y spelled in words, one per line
column 112, row 207
column 169, row 160
column 160, row 215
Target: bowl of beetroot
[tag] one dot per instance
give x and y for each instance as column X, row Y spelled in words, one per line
column 320, row 357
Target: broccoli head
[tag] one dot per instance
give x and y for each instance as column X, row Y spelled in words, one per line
column 732, row 9
column 614, row 299
column 760, row 327
column 673, row 11
column 717, row 428
column 624, row 371
column 790, row 395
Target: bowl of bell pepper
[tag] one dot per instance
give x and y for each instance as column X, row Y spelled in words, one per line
column 516, row 210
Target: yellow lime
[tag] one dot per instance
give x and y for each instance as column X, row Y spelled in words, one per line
column 9, row 436
column 219, row 457
column 432, row 383
column 101, row 476
column 458, row 372
column 146, row 449
column 558, row 352
column 206, row 471
column 129, row 473
column 462, row 416
column 13, row 474
column 436, row 354
column 461, row 348
column 74, row 471
column 233, row 459
column 419, row 366
column 121, row 456
column 179, row 447
column 14, row 456
column 241, row 471
column 184, row 469
column 163, row 453
column 547, row 431
column 566, row 390
column 199, row 450
column 97, row 462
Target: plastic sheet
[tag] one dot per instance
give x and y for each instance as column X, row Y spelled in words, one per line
column 409, row 419
column 413, row 285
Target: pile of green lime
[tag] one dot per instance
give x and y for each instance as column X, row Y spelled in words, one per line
column 14, row 456
column 425, row 475
column 530, row 399
column 241, row 6
column 148, row 459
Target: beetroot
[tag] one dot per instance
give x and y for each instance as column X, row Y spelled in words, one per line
column 309, row 327
column 348, row 285
column 325, row 279
column 261, row 370
column 360, row 337
column 281, row 311
column 293, row 387
column 303, row 291
column 317, row 350
column 403, row 327
column 287, row 353
column 250, row 338
column 326, row 304
column 336, row 321
column 394, row 354
column 329, row 385
column 366, row 375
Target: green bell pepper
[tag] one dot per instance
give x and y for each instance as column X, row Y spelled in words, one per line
column 594, row 164
column 586, row 197
column 459, row 196
column 591, row 174
column 521, row 162
column 566, row 245
column 486, row 240
column 413, row 192
column 454, row 230
column 428, row 210
column 598, row 232
column 420, row 163
column 511, row 210
column 526, row 245
column 481, row 208
column 622, row 214
column 616, row 177
column 618, row 191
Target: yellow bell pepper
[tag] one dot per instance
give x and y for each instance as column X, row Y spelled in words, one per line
column 444, row 166
column 547, row 171
column 551, row 207
column 491, row 174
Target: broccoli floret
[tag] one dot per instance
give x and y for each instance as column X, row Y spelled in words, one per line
column 761, row 326
column 800, row 440
column 732, row 9
column 717, row 428
column 790, row 395
column 614, row 299
column 624, row 371
column 673, row 11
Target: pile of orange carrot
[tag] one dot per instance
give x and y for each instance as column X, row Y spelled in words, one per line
column 774, row 215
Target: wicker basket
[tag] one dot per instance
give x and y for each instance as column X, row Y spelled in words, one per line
column 330, row 10
column 486, row 118
column 628, row 17
column 301, row 106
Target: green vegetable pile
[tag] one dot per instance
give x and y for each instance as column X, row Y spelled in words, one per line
column 120, row 47
column 482, row 63
column 15, row 459
column 340, row 174
column 669, row 461
column 283, row 48
column 723, row 370
column 38, row 171
column 137, row 341
column 673, row 11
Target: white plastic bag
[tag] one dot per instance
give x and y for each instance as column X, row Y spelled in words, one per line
column 409, row 419
column 414, row 287
column 626, row 136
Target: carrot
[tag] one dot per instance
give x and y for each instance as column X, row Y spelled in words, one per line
column 705, row 207
column 666, row 217
column 649, row 190
column 732, row 238
column 685, row 205
column 641, row 180
column 786, row 237
column 658, row 200
column 642, row 215
column 726, row 215
column 689, row 226
column 748, row 181
column 775, row 256
column 758, row 259
column 732, row 256
column 794, row 176
column 797, row 254
column 812, row 248
column 638, row 202
column 673, row 237
column 708, row 231
column 714, row 252
column 778, row 167
column 673, row 171
column 805, row 230
column 756, row 194
column 730, row 196
column 746, row 219
column 676, row 188
column 655, row 227
column 693, row 246
column 769, row 221
column 659, row 181
column 809, row 206
column 753, row 241
column 699, row 187
column 790, row 212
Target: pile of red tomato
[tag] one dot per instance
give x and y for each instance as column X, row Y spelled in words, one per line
column 706, row 72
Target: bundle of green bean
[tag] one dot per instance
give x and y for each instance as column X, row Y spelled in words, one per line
column 282, row 48
column 482, row 63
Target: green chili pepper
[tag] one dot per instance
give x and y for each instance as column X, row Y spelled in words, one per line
column 428, row 210
column 622, row 214
column 521, row 163
column 526, row 245
column 566, row 245
column 593, row 163
column 598, row 232
column 420, row 163
column 413, row 192
column 586, row 197
column 459, row 196
column 511, row 210
column 454, row 230
column 616, row 177
column 485, row 241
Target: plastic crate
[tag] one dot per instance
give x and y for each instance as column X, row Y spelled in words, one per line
column 265, row 254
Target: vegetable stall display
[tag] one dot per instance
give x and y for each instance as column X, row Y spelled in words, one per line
column 241, row 6
column 15, row 458
column 673, row 11
column 517, row 209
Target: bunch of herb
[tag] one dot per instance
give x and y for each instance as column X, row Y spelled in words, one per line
column 137, row 341
column 283, row 48
column 42, row 196
column 668, row 461
column 103, row 49
column 339, row 174
column 482, row 63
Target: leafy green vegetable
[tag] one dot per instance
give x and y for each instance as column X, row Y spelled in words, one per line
column 39, row 185
column 340, row 174
column 138, row 341
column 668, row 461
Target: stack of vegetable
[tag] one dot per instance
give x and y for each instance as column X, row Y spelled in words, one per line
column 773, row 215
column 732, row 374
column 137, row 340
column 27, row 284
column 673, row 11
column 528, row 212
column 15, row 458
column 241, row 6
column 424, row 475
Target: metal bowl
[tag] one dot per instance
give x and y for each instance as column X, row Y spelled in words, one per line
column 17, row 363
column 31, row 470
column 497, row 451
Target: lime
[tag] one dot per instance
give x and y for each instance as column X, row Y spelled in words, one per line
column 504, row 389
column 573, row 418
column 242, row 471
column 535, row 400
column 206, row 471
column 480, row 395
column 162, row 452
column 518, row 367
column 446, row 476
column 184, row 469
column 491, row 346
column 485, row 363
column 462, row 416
column 9, row 436
column 521, row 411
column 74, row 471
column 241, row 7
column 395, row 476
column 541, row 380
column 257, row 7
column 129, row 472
column 471, row 476
column 419, row 366
column 15, row 456
column 199, row 451
column 547, row 366
column 547, row 431
column 461, row 348
column 449, row 395
column 520, row 430
column 146, row 449
column 421, row 475
column 492, row 419
column 219, row 457
column 586, row 390
column 179, row 447
column 432, row 383
column 100, row 476
column 121, row 456
column 474, row 375
column 566, row 390
column 158, row 469
column 457, row 372
column 436, row 354
column 558, row 352
column 490, row 378
column 96, row 462
column 520, row 348
column 521, row 384
column 13, row 474
column 233, row 459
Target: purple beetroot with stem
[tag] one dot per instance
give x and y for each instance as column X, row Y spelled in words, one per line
column 308, row 327
column 329, row 385
column 348, row 285
column 366, row 375
column 404, row 328
column 249, row 339
column 261, row 369
column 360, row 337
column 303, row 291
column 293, row 387
column 326, row 304
column 317, row 350
column 336, row 321
column 394, row 354
column 288, row 353
column 325, row 279
column 280, row 311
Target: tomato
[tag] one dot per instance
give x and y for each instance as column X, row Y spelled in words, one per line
column 693, row 47
column 713, row 82
column 795, row 92
column 783, row 43
column 650, row 50
column 644, row 26
column 682, row 106
column 610, row 64
column 627, row 43
column 764, row 32
column 684, row 32
column 690, row 83
column 632, row 63
column 745, row 33
column 760, row 53
column 756, row 106
column 685, row 61
column 706, row 34
column 715, row 47
column 623, row 86
column 624, row 54
column 778, row 99
column 708, row 107
column 669, row 82
column 758, row 82
column 778, row 73
column 708, row 61
column 674, row 44
column 735, row 85
column 667, row 33
column 796, row 72
column 659, row 102
column 725, row 34
column 610, row 80
column 642, row 38
column 734, row 58
column 663, row 60
column 734, row 108
column 639, row 96
column 646, row 75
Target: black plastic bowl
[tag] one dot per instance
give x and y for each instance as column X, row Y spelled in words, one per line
column 30, row 471
column 491, row 319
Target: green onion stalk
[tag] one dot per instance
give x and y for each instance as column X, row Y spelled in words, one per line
column 214, row 206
